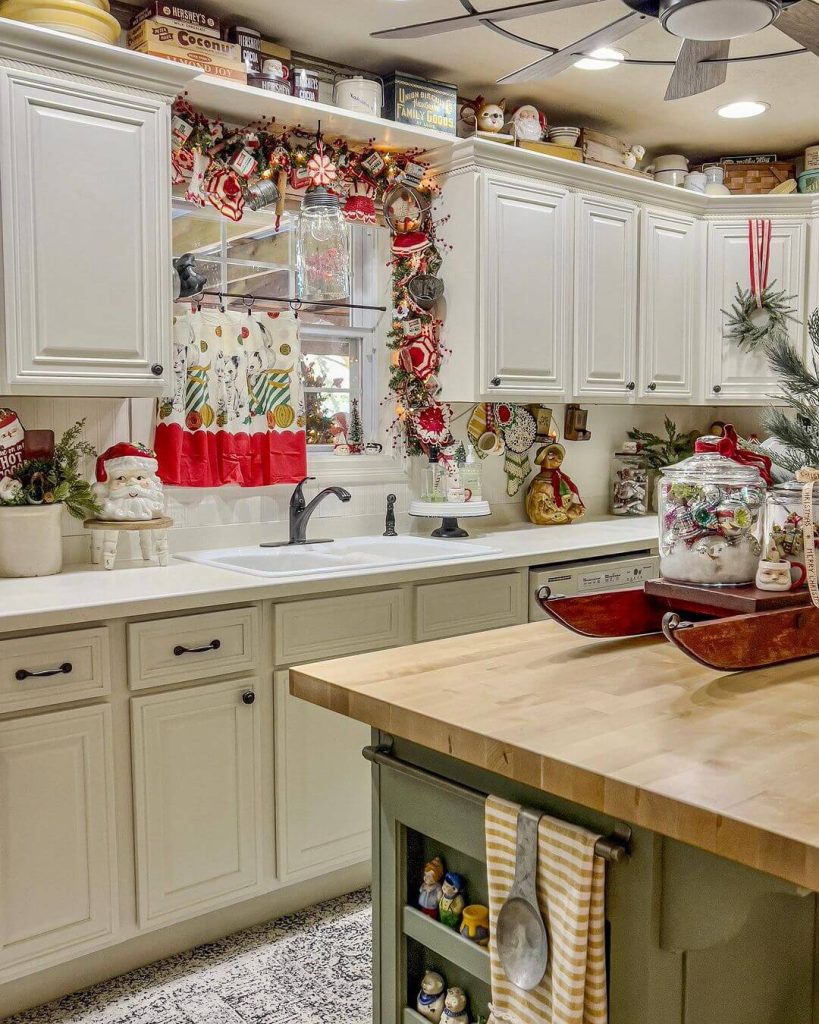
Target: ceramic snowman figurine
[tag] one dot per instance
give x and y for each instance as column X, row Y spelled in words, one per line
column 455, row 1011
column 431, row 998
column 452, row 902
column 429, row 894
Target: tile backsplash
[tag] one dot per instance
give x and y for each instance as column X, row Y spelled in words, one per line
column 227, row 516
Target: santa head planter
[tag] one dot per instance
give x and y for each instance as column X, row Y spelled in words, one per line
column 127, row 487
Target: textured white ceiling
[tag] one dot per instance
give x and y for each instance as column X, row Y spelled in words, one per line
column 626, row 101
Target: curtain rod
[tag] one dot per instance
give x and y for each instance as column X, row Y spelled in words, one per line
column 293, row 302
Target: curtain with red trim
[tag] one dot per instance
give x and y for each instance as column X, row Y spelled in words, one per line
column 236, row 415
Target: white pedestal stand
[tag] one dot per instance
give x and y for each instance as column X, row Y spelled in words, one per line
column 449, row 512
column 153, row 533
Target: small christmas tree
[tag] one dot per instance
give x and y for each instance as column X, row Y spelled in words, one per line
column 797, row 427
column 355, row 432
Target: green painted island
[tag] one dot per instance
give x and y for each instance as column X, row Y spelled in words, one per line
column 711, row 918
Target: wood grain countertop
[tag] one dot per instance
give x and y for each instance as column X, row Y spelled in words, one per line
column 632, row 728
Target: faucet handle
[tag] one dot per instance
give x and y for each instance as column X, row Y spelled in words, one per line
column 297, row 497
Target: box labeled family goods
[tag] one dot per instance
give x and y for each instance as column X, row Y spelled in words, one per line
column 421, row 102
column 188, row 46
column 178, row 17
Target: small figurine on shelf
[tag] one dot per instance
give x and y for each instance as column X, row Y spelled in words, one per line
column 778, row 575
column 455, row 1011
column 483, row 116
column 127, row 486
column 552, row 498
column 475, row 924
column 452, row 902
column 529, row 123
column 355, row 432
column 430, row 891
column 431, row 998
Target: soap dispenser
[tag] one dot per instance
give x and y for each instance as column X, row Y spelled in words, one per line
column 471, row 476
column 434, row 478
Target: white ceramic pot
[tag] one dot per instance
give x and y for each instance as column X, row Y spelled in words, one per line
column 669, row 162
column 31, row 540
column 695, row 181
column 360, row 95
column 673, row 177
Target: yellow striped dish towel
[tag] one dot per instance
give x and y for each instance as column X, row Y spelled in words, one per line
column 571, row 893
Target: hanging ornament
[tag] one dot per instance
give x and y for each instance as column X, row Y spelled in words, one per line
column 321, row 169
column 182, row 166
column 431, row 425
column 421, row 357
column 425, row 290
column 360, row 204
column 409, row 243
column 199, row 170
column 264, row 193
column 224, row 191
column 405, row 208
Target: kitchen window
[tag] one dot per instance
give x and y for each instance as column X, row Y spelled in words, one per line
column 339, row 347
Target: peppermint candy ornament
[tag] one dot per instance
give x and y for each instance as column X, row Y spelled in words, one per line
column 321, row 169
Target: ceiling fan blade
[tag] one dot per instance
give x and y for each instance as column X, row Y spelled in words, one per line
column 691, row 77
column 548, row 67
column 434, row 28
column 801, row 23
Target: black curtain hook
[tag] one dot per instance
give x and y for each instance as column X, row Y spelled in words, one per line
column 248, row 301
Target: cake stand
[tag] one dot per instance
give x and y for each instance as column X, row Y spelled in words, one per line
column 449, row 512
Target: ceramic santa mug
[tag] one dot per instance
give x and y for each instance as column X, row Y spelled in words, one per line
column 780, row 575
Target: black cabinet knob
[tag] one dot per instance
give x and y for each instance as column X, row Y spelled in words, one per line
column 495, row 382
column 630, row 386
column 156, row 370
column 716, row 389
column 652, row 386
column 248, row 697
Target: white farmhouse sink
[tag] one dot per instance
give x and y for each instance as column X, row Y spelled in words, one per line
column 339, row 556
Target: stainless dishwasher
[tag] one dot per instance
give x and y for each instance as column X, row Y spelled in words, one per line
column 615, row 572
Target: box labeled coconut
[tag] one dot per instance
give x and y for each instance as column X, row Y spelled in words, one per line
column 189, row 46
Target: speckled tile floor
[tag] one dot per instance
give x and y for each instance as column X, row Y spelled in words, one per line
column 309, row 968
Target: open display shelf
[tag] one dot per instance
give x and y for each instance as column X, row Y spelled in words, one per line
column 448, row 943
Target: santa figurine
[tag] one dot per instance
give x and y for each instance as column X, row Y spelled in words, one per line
column 127, row 487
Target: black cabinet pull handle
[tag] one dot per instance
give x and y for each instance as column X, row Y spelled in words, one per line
column 716, row 389
column 652, row 386
column 630, row 386
column 248, row 697
column 157, row 369
column 23, row 673
column 214, row 645
column 495, row 382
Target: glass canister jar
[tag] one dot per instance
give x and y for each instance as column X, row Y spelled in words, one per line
column 323, row 248
column 630, row 485
column 711, row 520
column 784, row 516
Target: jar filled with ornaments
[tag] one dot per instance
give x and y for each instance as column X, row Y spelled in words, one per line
column 711, row 512
column 630, row 484
column 785, row 521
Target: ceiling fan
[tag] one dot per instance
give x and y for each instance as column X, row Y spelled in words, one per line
column 706, row 28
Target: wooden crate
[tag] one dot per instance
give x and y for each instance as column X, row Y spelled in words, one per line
column 757, row 179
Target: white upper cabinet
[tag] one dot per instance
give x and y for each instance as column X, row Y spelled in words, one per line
column 605, row 298
column 672, row 277
column 733, row 375
column 85, row 203
column 525, row 289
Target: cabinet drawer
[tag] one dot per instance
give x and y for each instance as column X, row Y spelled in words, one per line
column 331, row 627
column 74, row 666
column 469, row 606
column 191, row 647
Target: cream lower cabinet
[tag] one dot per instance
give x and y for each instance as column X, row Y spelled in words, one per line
column 733, row 375
column 57, row 852
column 197, row 798
column 323, row 805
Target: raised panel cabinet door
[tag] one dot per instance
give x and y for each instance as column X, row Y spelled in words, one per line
column 605, row 298
column 197, row 793
column 57, row 845
column 672, row 297
column 525, row 289
column 85, row 185
column 323, row 804
column 733, row 374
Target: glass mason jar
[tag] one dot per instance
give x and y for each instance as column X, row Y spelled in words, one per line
column 322, row 248
column 711, row 521
column 783, row 540
column 630, row 485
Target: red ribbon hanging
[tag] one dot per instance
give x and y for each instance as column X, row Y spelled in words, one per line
column 759, row 252
column 728, row 445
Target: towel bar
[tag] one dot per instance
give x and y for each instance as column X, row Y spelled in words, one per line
column 613, row 848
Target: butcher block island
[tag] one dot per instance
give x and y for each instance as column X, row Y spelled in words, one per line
column 701, row 785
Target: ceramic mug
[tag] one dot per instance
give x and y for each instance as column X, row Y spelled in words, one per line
column 489, row 443
column 778, row 576
column 695, row 181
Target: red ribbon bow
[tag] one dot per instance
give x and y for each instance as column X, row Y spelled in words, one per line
column 728, row 446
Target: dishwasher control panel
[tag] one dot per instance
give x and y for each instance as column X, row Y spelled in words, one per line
column 579, row 578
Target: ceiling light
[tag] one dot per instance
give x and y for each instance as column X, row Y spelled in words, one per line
column 743, row 108
column 599, row 60
column 717, row 19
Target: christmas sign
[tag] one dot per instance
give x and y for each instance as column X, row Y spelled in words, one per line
column 12, row 437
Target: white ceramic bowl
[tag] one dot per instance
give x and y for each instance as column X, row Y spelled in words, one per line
column 564, row 136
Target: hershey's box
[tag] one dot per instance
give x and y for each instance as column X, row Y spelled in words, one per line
column 178, row 17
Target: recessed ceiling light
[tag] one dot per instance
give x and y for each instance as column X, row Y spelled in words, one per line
column 599, row 60
column 743, row 108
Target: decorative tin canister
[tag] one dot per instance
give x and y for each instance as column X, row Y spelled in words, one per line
column 360, row 95
column 305, row 84
column 420, row 102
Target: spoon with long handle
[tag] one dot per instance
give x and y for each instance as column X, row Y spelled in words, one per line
column 523, row 944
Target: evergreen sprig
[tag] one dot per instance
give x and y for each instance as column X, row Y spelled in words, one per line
column 659, row 452
column 749, row 334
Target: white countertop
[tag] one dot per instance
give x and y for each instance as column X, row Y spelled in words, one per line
column 88, row 593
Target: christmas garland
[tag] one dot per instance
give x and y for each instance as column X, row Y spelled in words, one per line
column 753, row 323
